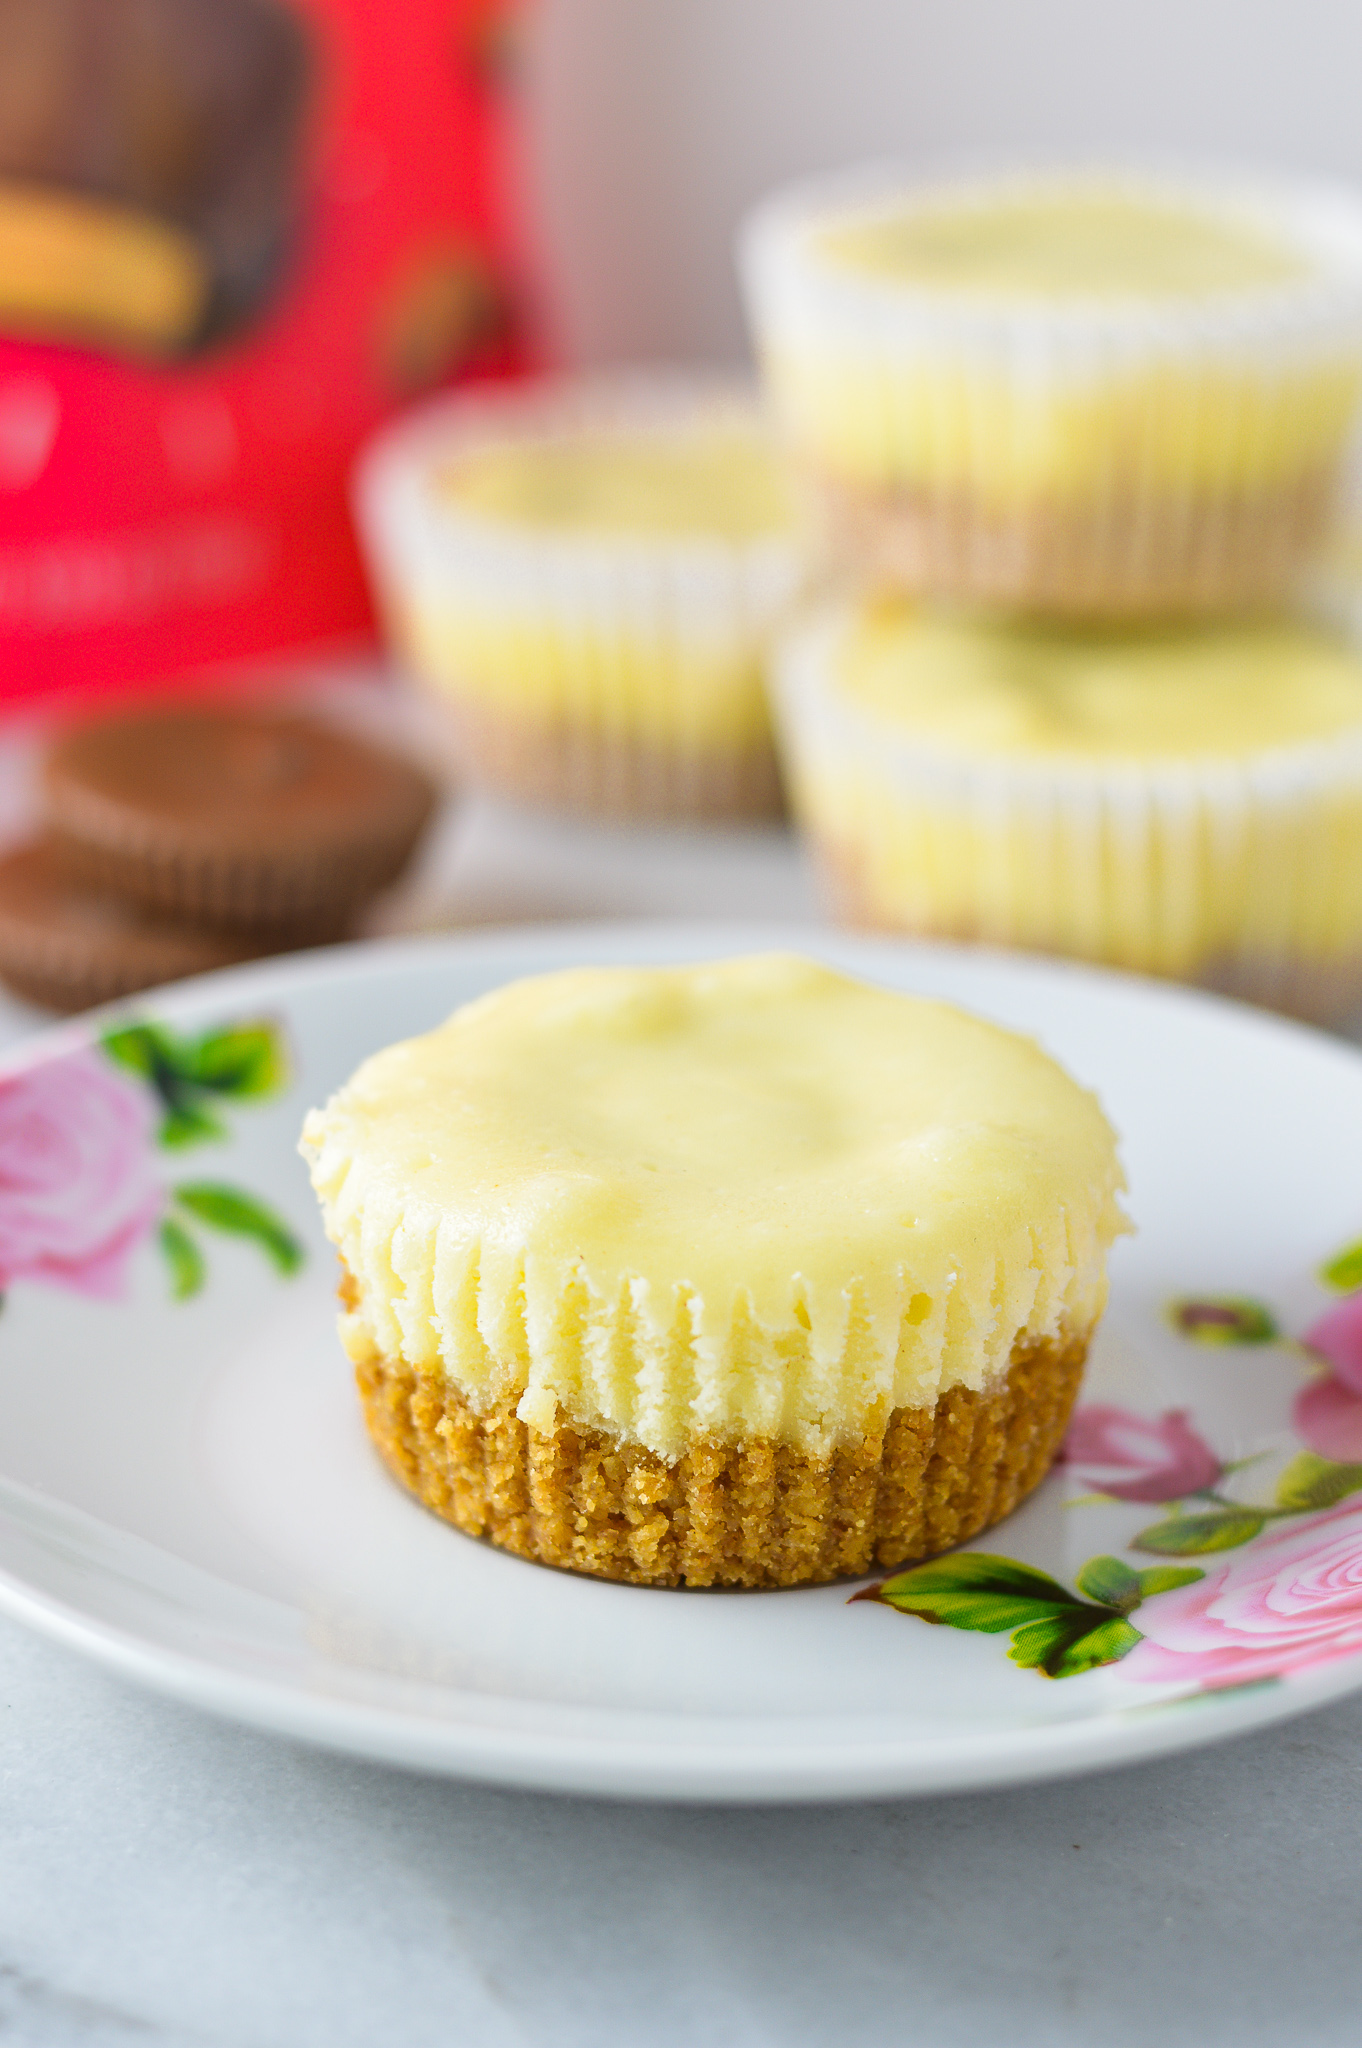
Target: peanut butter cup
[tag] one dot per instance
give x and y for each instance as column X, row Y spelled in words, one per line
column 240, row 820
column 68, row 946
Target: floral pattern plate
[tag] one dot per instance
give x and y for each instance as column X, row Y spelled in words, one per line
column 186, row 1491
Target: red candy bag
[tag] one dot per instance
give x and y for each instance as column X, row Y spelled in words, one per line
column 234, row 235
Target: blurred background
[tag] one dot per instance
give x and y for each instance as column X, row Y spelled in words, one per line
column 248, row 246
column 652, row 124
column 385, row 206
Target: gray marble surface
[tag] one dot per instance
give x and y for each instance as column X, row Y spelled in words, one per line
column 168, row 1878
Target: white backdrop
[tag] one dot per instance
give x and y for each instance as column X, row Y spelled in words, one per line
column 653, row 123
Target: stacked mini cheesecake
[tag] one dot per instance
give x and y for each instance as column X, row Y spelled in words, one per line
column 179, row 839
column 1070, row 443
column 584, row 574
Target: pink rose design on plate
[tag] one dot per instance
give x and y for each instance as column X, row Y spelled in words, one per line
column 1133, row 1457
column 1293, row 1599
column 1328, row 1414
column 78, row 1192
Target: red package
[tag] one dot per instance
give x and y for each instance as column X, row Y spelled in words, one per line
column 234, row 235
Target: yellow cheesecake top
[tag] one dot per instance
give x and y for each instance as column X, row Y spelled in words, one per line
column 1076, row 243
column 725, row 483
column 1172, row 693
column 745, row 1198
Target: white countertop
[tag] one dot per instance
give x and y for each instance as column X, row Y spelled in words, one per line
column 167, row 1878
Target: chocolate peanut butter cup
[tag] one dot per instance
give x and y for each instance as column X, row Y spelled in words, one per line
column 68, row 946
column 240, row 820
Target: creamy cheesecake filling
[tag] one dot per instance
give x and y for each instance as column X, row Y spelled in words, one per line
column 1032, row 692
column 1056, row 342
column 610, row 677
column 1079, row 243
column 752, row 1199
column 718, row 482
column 1182, row 802
column 926, row 422
column 604, row 561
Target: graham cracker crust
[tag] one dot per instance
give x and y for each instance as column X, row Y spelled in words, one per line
column 1317, row 991
column 587, row 774
column 1126, row 556
column 754, row 1514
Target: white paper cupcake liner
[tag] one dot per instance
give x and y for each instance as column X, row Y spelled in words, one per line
column 1093, row 457
column 1242, row 874
column 693, row 616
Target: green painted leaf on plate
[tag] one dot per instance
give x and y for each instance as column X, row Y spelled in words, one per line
column 1166, row 1578
column 1053, row 1631
column 143, row 1049
column 1110, row 1583
column 157, row 1057
column 1194, row 1535
column 1230, row 1319
column 231, row 1209
column 185, row 1260
column 975, row 1591
column 1343, row 1271
column 1114, row 1584
column 243, row 1060
column 188, row 1123
column 1311, row 1482
column 1066, row 1645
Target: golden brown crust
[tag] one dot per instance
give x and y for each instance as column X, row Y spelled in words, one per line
column 755, row 1514
column 1318, row 991
column 1125, row 558
column 596, row 775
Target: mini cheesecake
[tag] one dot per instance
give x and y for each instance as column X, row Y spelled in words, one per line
column 739, row 1274
column 583, row 576
column 1088, row 394
column 1179, row 800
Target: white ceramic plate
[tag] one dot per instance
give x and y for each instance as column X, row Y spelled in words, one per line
column 187, row 1493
